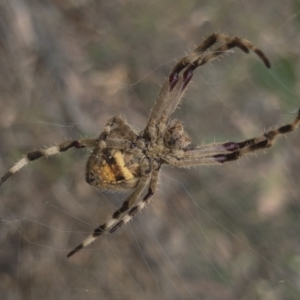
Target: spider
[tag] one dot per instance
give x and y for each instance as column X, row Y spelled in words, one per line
column 123, row 159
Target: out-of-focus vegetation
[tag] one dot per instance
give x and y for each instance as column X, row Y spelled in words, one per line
column 229, row 232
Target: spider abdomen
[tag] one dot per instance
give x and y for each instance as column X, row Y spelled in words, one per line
column 108, row 169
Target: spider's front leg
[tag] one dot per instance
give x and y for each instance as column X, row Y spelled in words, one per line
column 175, row 86
column 223, row 152
column 198, row 57
column 263, row 141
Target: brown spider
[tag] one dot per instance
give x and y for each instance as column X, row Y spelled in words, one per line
column 123, row 159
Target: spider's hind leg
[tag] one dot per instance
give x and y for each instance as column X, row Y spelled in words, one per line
column 33, row 155
column 125, row 213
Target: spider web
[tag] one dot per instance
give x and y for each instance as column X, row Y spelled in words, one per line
column 229, row 232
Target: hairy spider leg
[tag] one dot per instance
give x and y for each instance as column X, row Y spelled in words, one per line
column 36, row 154
column 197, row 58
column 219, row 153
column 103, row 228
column 174, row 87
column 266, row 140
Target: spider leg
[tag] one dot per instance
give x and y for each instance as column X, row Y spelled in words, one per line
column 126, row 207
column 266, row 140
column 174, row 87
column 140, row 205
column 165, row 105
column 229, row 151
column 36, row 154
column 197, row 58
column 119, row 122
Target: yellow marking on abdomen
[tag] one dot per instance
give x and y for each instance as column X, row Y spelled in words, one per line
column 121, row 163
column 113, row 170
column 106, row 173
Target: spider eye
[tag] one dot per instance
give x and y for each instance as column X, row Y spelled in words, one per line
column 175, row 137
column 132, row 145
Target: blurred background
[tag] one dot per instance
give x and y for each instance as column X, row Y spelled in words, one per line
column 230, row 232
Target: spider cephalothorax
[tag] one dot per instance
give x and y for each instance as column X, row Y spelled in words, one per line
column 123, row 159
